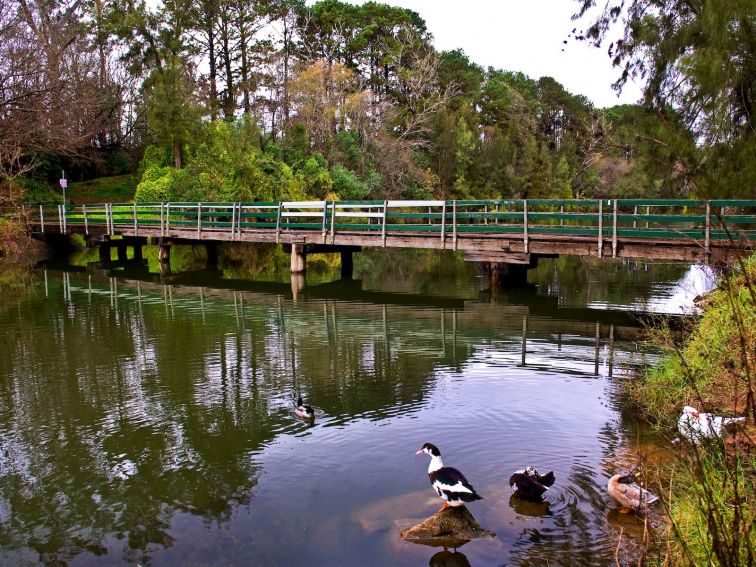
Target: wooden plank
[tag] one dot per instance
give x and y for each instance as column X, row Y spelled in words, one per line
column 497, row 257
column 303, row 204
column 302, row 214
column 363, row 215
column 410, row 204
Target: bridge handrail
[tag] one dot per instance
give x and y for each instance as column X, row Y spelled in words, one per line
column 601, row 219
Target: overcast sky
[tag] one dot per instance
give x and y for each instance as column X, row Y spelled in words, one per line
column 523, row 35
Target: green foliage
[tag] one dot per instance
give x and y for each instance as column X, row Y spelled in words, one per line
column 465, row 77
column 117, row 189
column 172, row 116
column 696, row 60
column 317, row 180
column 711, row 510
column 155, row 156
column 225, row 164
column 36, row 191
column 347, row 185
column 156, row 185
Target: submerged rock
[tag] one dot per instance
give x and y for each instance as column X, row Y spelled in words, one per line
column 451, row 527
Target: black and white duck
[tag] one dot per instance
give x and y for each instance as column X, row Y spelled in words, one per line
column 529, row 485
column 303, row 410
column 450, row 484
column 697, row 426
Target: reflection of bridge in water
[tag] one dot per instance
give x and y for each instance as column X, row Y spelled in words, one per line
column 536, row 331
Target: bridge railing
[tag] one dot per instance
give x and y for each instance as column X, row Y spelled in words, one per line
column 599, row 219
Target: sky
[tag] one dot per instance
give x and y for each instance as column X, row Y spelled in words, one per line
column 523, row 35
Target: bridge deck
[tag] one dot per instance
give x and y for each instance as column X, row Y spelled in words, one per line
column 497, row 231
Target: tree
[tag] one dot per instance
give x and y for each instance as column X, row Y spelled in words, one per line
column 54, row 97
column 172, row 114
column 158, row 47
column 698, row 59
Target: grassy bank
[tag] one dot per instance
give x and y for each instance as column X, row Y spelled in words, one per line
column 16, row 246
column 710, row 503
column 118, row 189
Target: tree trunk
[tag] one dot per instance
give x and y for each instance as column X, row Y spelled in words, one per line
column 245, row 86
column 229, row 104
column 213, row 70
column 177, row 154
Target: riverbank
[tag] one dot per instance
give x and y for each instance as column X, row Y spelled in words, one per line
column 710, row 505
column 16, row 246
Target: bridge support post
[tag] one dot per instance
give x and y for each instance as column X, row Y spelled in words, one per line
column 347, row 265
column 298, row 259
column 137, row 251
column 122, row 251
column 104, row 252
column 509, row 275
column 164, row 254
column 297, row 284
column 212, row 255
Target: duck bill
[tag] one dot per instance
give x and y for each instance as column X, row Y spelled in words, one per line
column 420, row 452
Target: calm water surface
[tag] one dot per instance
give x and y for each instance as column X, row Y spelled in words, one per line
column 150, row 421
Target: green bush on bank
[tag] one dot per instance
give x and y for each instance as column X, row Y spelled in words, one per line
column 230, row 161
column 227, row 164
column 711, row 508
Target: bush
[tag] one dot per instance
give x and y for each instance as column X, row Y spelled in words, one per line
column 711, row 509
column 226, row 164
column 156, row 185
column 347, row 185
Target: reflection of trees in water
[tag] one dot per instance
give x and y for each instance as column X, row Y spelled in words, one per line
column 581, row 281
column 157, row 398
column 150, row 410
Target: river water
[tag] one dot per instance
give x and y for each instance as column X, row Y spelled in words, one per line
column 149, row 420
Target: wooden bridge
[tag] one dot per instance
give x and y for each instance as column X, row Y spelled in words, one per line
column 510, row 235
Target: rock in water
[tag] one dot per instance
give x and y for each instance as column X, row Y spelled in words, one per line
column 451, row 527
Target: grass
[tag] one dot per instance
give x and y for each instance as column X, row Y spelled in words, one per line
column 711, row 507
column 118, row 189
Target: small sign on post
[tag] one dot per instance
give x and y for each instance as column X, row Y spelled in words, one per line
column 63, row 185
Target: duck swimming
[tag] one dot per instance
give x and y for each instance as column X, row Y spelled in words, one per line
column 529, row 485
column 450, row 484
column 304, row 411
column 696, row 426
column 631, row 496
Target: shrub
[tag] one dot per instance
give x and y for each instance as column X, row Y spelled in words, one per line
column 347, row 185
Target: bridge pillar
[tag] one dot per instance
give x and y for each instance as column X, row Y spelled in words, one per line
column 138, row 251
column 104, row 252
column 212, row 255
column 297, row 285
column 347, row 265
column 508, row 275
column 164, row 254
column 122, row 251
column 298, row 259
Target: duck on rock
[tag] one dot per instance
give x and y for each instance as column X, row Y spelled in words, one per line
column 304, row 411
column 450, row 484
column 528, row 485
